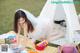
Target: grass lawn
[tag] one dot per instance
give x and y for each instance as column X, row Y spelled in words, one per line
column 8, row 7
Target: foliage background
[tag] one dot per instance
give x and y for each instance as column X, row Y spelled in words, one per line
column 8, row 7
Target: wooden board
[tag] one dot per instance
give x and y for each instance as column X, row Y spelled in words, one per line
column 48, row 49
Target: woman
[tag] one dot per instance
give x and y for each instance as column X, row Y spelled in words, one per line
column 23, row 23
column 27, row 22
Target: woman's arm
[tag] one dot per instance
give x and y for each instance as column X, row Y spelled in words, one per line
column 19, row 28
column 18, row 34
column 25, row 29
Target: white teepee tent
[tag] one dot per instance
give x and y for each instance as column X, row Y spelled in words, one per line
column 53, row 10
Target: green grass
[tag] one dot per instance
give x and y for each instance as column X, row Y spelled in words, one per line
column 8, row 7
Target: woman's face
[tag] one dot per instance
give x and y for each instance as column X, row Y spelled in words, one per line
column 21, row 20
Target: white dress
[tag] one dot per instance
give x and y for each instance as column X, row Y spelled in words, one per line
column 43, row 26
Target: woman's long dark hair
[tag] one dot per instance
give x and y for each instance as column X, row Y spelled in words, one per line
column 17, row 16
